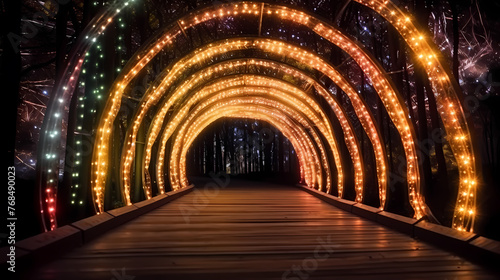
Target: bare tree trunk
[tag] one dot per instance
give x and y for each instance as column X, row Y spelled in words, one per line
column 423, row 137
column 436, row 130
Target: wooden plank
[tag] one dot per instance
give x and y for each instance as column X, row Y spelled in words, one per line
column 485, row 250
column 366, row 211
column 445, row 237
column 123, row 214
column 48, row 245
column 150, row 204
column 94, row 226
column 397, row 222
column 129, row 212
column 178, row 193
column 256, row 231
column 343, row 204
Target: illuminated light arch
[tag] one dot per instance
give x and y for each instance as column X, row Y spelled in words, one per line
column 323, row 125
column 299, row 110
column 448, row 96
column 296, row 134
column 290, row 130
column 264, row 44
column 307, row 107
column 256, row 81
column 448, row 102
column 300, row 140
column 48, row 155
column 209, row 113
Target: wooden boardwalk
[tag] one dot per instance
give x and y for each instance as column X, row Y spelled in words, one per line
column 256, row 231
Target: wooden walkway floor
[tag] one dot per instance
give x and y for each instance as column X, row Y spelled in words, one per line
column 256, row 231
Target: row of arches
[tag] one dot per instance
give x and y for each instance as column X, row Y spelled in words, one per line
column 183, row 101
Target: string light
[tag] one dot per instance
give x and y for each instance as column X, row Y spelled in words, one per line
column 447, row 93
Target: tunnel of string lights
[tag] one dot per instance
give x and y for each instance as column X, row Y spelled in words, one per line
column 256, row 77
